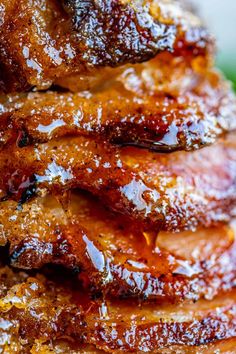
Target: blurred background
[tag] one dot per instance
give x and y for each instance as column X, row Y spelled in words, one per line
column 220, row 17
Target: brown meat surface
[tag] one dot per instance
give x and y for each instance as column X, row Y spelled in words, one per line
column 172, row 192
column 222, row 347
column 42, row 41
column 107, row 243
column 113, row 256
column 164, row 105
column 35, row 310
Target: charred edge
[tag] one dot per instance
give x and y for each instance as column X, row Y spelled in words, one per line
column 23, row 139
column 129, row 34
column 32, row 253
column 28, row 193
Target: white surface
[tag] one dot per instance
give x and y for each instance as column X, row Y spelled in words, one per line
column 220, row 16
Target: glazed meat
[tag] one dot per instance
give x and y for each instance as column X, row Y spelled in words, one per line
column 41, row 42
column 113, row 256
column 172, row 108
column 225, row 346
column 117, row 180
column 169, row 192
column 37, row 310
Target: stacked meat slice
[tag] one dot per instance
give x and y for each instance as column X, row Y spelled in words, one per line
column 117, row 180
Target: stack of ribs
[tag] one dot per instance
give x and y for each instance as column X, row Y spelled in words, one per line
column 117, row 180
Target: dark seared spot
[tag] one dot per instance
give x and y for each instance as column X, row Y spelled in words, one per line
column 23, row 139
column 29, row 190
column 112, row 33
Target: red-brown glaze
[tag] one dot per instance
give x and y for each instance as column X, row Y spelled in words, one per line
column 149, row 225
column 40, row 41
column 112, row 255
column 172, row 108
column 222, row 347
column 166, row 191
column 145, row 333
column 37, row 310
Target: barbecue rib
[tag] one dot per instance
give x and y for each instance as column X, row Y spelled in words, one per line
column 113, row 256
column 164, row 105
column 117, row 180
column 35, row 310
column 40, row 42
column 170, row 192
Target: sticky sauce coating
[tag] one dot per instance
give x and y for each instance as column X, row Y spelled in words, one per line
column 35, row 310
column 43, row 41
column 113, row 256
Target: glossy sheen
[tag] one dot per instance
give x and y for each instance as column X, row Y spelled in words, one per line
column 164, row 191
column 40, row 41
column 144, row 258
column 115, row 32
column 35, row 310
column 59, row 347
column 179, row 106
column 112, row 255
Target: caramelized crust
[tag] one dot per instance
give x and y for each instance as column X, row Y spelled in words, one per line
column 35, row 310
column 165, row 105
column 152, row 328
column 136, row 248
column 64, row 346
column 225, row 347
column 112, row 256
column 169, row 192
column 40, row 41
column 116, row 32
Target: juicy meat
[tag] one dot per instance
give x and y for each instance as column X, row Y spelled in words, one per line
column 170, row 192
column 152, row 328
column 42, row 41
column 113, row 32
column 172, row 108
column 34, row 309
column 115, row 257
column 124, row 249
column 225, row 346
